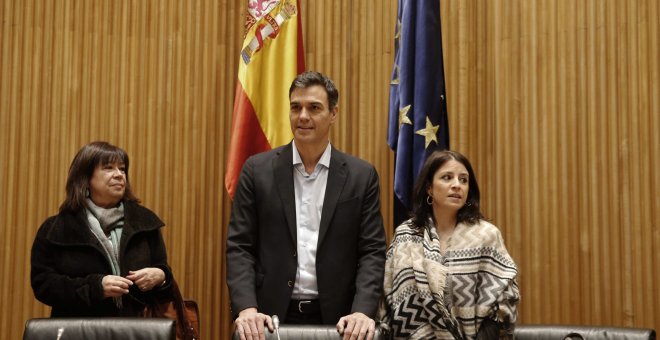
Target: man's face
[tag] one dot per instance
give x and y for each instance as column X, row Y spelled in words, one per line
column 310, row 116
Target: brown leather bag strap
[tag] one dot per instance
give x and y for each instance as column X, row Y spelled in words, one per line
column 180, row 307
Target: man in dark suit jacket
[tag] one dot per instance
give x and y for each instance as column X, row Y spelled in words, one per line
column 306, row 239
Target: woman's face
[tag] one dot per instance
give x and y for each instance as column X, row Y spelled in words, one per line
column 450, row 185
column 107, row 185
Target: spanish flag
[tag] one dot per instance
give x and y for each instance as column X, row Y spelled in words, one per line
column 271, row 57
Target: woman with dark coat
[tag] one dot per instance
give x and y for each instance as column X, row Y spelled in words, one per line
column 103, row 254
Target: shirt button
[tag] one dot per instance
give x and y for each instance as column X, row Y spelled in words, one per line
column 290, row 283
column 295, row 254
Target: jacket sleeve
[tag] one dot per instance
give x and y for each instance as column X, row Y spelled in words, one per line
column 158, row 260
column 371, row 251
column 506, row 306
column 507, row 310
column 242, row 243
column 53, row 288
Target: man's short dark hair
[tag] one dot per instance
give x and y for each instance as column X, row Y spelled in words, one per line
column 311, row 78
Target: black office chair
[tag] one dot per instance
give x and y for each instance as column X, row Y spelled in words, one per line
column 522, row 332
column 561, row 332
column 307, row 332
column 100, row 328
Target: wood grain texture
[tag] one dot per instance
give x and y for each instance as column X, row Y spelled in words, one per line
column 556, row 103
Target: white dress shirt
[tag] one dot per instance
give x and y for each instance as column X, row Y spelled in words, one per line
column 310, row 193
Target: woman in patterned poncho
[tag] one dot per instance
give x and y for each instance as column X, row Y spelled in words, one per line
column 448, row 274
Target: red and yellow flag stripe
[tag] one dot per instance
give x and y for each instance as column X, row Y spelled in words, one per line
column 271, row 57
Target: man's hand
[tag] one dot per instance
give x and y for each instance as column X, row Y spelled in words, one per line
column 356, row 326
column 250, row 324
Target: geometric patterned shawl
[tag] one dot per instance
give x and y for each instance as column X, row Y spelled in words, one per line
column 429, row 295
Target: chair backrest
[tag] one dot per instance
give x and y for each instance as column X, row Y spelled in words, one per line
column 100, row 328
column 560, row 332
column 522, row 332
column 304, row 332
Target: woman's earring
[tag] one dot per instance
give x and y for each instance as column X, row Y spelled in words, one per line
column 87, row 192
column 429, row 200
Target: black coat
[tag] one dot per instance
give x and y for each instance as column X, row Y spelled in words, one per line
column 261, row 242
column 68, row 263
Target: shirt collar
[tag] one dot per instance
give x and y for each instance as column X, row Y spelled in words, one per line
column 325, row 157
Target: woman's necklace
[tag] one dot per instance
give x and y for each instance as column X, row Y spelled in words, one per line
column 445, row 239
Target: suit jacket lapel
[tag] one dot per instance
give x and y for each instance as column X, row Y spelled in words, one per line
column 283, row 170
column 337, row 175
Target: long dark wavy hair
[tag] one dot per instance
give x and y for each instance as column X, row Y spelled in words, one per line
column 421, row 211
column 81, row 171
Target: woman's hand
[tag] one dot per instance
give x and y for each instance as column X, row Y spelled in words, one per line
column 115, row 286
column 147, row 278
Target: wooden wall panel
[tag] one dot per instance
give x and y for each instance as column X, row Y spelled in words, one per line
column 155, row 77
column 557, row 104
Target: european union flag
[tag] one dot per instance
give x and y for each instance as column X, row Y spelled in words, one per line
column 418, row 108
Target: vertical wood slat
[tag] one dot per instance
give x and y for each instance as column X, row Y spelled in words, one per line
column 556, row 103
column 144, row 76
column 565, row 178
